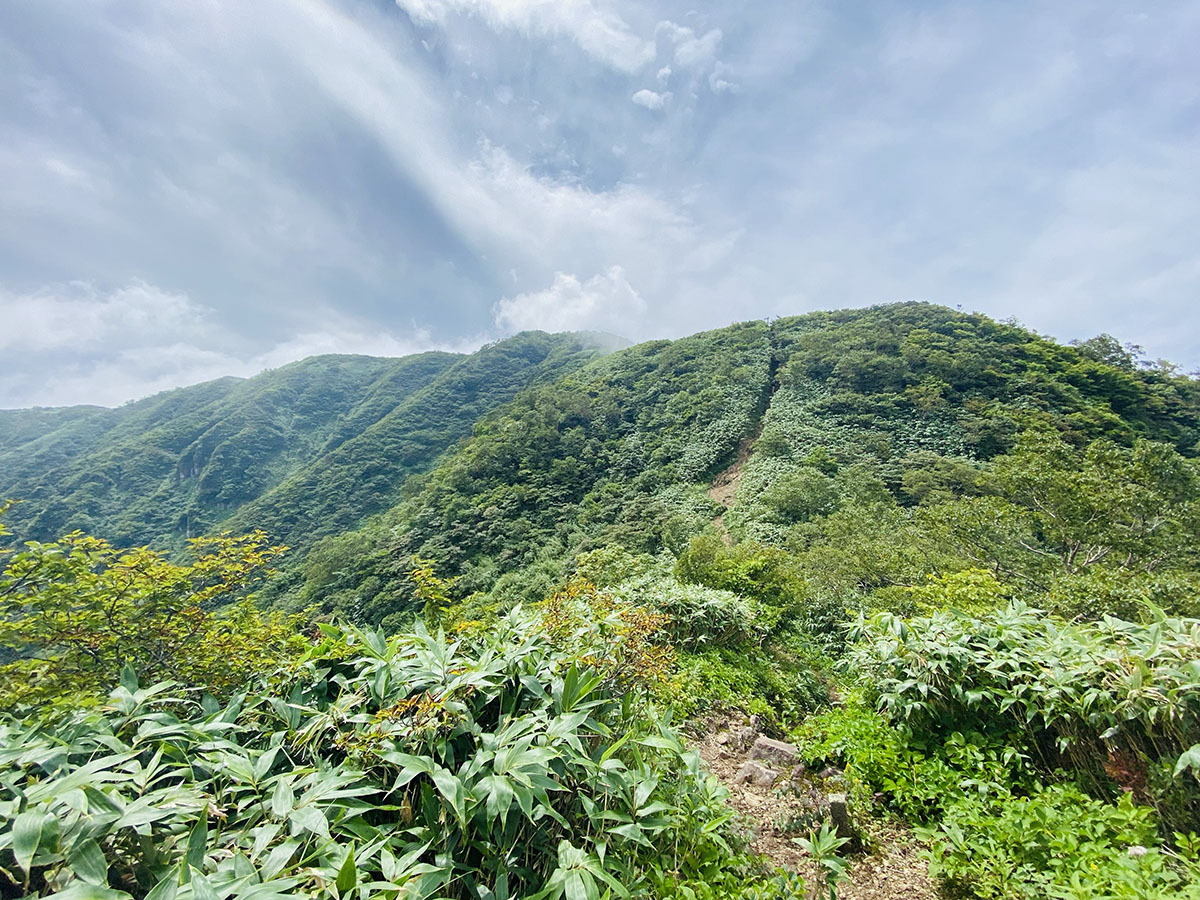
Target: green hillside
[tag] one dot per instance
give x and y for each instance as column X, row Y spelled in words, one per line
column 393, row 435
column 176, row 464
column 892, row 408
column 313, row 447
column 900, row 596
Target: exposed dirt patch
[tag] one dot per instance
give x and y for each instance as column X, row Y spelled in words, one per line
column 891, row 867
column 725, row 485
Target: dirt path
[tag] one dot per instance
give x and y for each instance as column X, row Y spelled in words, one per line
column 890, row 869
column 724, row 486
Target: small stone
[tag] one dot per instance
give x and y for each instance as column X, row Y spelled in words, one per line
column 757, row 774
column 723, row 737
column 774, row 751
column 830, row 772
column 839, row 814
column 743, row 737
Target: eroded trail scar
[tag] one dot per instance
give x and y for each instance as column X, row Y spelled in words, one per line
column 776, row 810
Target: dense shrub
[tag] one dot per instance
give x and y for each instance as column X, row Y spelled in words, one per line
column 403, row 767
column 74, row 612
column 1058, row 842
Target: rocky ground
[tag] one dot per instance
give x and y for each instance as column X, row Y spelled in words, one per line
column 779, row 801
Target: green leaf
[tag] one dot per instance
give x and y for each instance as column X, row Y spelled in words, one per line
column 26, row 835
column 278, row 858
column 167, row 888
column 579, row 886
column 197, row 843
column 202, row 888
column 309, row 818
column 129, row 678
column 1189, row 760
column 347, row 876
column 283, row 799
column 88, row 862
column 92, row 892
column 262, row 765
column 450, row 786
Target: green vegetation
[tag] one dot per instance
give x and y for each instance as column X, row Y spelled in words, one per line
column 957, row 561
column 75, row 612
column 305, row 450
column 525, row 764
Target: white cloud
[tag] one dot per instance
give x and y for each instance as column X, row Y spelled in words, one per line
column 692, row 50
column 605, row 302
column 81, row 316
column 76, row 343
column 651, row 99
column 719, row 81
column 276, row 160
column 598, row 30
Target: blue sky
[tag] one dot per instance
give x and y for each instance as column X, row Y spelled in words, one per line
column 215, row 187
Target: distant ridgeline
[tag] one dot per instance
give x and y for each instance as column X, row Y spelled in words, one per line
column 503, row 466
column 302, row 451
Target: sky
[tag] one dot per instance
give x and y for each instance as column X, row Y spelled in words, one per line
column 192, row 190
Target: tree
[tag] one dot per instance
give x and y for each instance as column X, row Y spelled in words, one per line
column 75, row 612
column 1104, row 348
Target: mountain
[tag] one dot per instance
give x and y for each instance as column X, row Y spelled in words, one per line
column 299, row 451
column 502, row 466
column 738, row 430
column 953, row 565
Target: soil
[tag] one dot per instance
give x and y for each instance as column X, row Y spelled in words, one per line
column 889, row 868
column 724, row 487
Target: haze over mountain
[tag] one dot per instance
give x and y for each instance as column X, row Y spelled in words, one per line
column 195, row 190
column 304, row 450
column 504, row 464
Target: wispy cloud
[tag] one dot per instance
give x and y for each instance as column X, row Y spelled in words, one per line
column 76, row 343
column 605, row 302
column 596, row 27
column 191, row 188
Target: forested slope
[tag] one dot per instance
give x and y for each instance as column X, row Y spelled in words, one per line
column 383, row 442
column 931, row 570
column 897, row 406
column 315, row 446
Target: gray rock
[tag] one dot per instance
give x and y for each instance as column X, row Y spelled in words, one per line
column 757, row 774
column 775, row 752
column 839, row 814
column 742, row 737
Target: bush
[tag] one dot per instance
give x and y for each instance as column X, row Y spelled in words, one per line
column 74, row 612
column 1073, row 695
column 1058, row 842
column 412, row 767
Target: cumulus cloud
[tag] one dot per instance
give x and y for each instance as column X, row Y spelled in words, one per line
column 81, row 316
column 693, row 50
column 720, row 80
column 651, row 99
column 77, row 343
column 605, row 302
column 597, row 29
